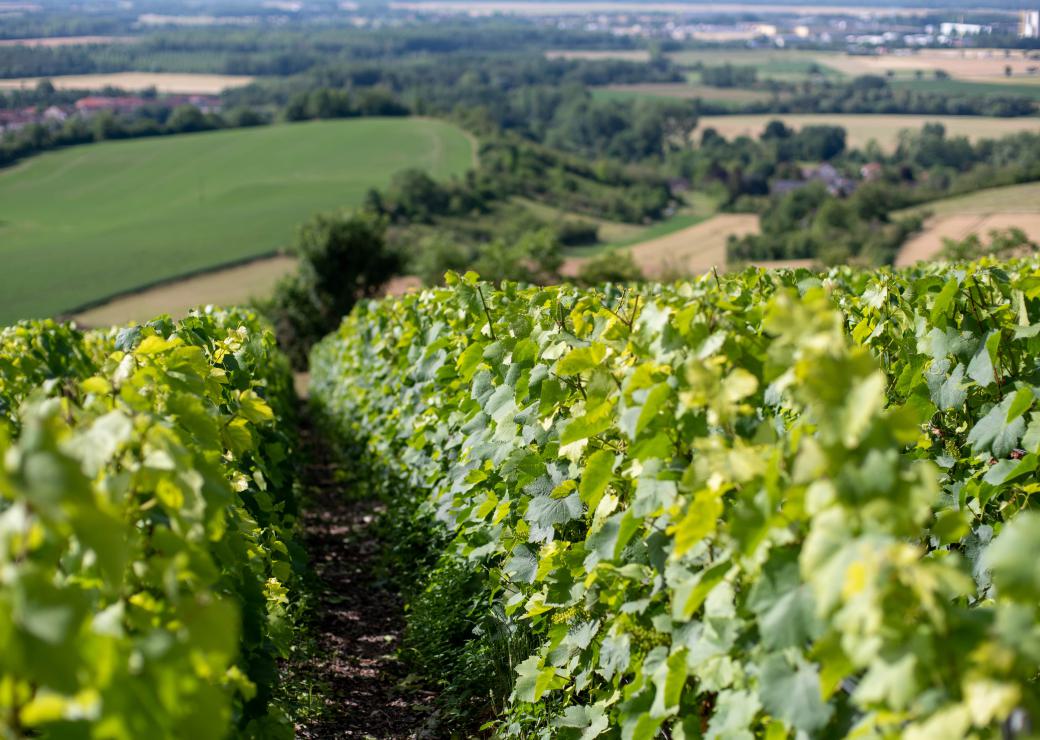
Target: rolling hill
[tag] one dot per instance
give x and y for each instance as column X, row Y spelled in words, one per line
column 89, row 222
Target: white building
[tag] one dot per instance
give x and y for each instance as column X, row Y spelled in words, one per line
column 1029, row 24
column 54, row 114
column 962, row 29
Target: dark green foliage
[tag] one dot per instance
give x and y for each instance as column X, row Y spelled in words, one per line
column 468, row 650
column 729, row 75
column 1004, row 244
column 616, row 266
column 341, row 260
column 531, row 255
column 576, row 233
column 811, row 223
column 534, row 257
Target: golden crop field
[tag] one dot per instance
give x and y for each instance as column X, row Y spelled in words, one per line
column 164, row 82
column 980, row 65
column 52, row 41
column 975, row 213
column 861, row 129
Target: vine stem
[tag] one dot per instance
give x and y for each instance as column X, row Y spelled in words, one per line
column 491, row 325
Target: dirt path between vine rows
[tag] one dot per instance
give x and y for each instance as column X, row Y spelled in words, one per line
column 356, row 621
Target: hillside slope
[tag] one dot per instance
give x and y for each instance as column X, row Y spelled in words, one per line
column 89, row 222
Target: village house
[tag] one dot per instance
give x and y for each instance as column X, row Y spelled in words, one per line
column 835, row 182
column 93, row 104
column 205, row 103
column 13, row 120
column 871, row 171
column 54, row 115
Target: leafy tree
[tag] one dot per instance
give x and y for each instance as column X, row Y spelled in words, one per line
column 776, row 129
column 1003, row 244
column 188, row 118
column 610, row 267
column 533, row 257
column 439, row 255
column 729, row 75
column 342, row 260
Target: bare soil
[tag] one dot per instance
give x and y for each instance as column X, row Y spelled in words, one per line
column 357, row 620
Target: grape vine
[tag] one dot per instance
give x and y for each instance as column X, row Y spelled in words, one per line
column 764, row 504
column 145, row 515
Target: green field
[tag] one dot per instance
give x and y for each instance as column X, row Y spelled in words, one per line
column 89, row 222
column 951, row 86
column 680, row 91
column 793, row 66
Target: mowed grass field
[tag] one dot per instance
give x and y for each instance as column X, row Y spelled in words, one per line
column 89, row 222
column 681, row 91
column 1024, row 198
column 860, row 129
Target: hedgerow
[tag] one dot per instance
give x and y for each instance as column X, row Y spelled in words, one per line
column 146, row 508
column 761, row 504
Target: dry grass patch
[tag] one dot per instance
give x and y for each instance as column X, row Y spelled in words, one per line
column 929, row 243
column 228, row 287
column 975, row 213
column 694, row 250
column 690, row 251
column 1024, row 198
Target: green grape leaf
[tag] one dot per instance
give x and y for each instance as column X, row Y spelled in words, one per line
column 792, row 693
column 534, row 679
column 1012, row 558
column 545, row 511
column 594, row 479
column 993, row 434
